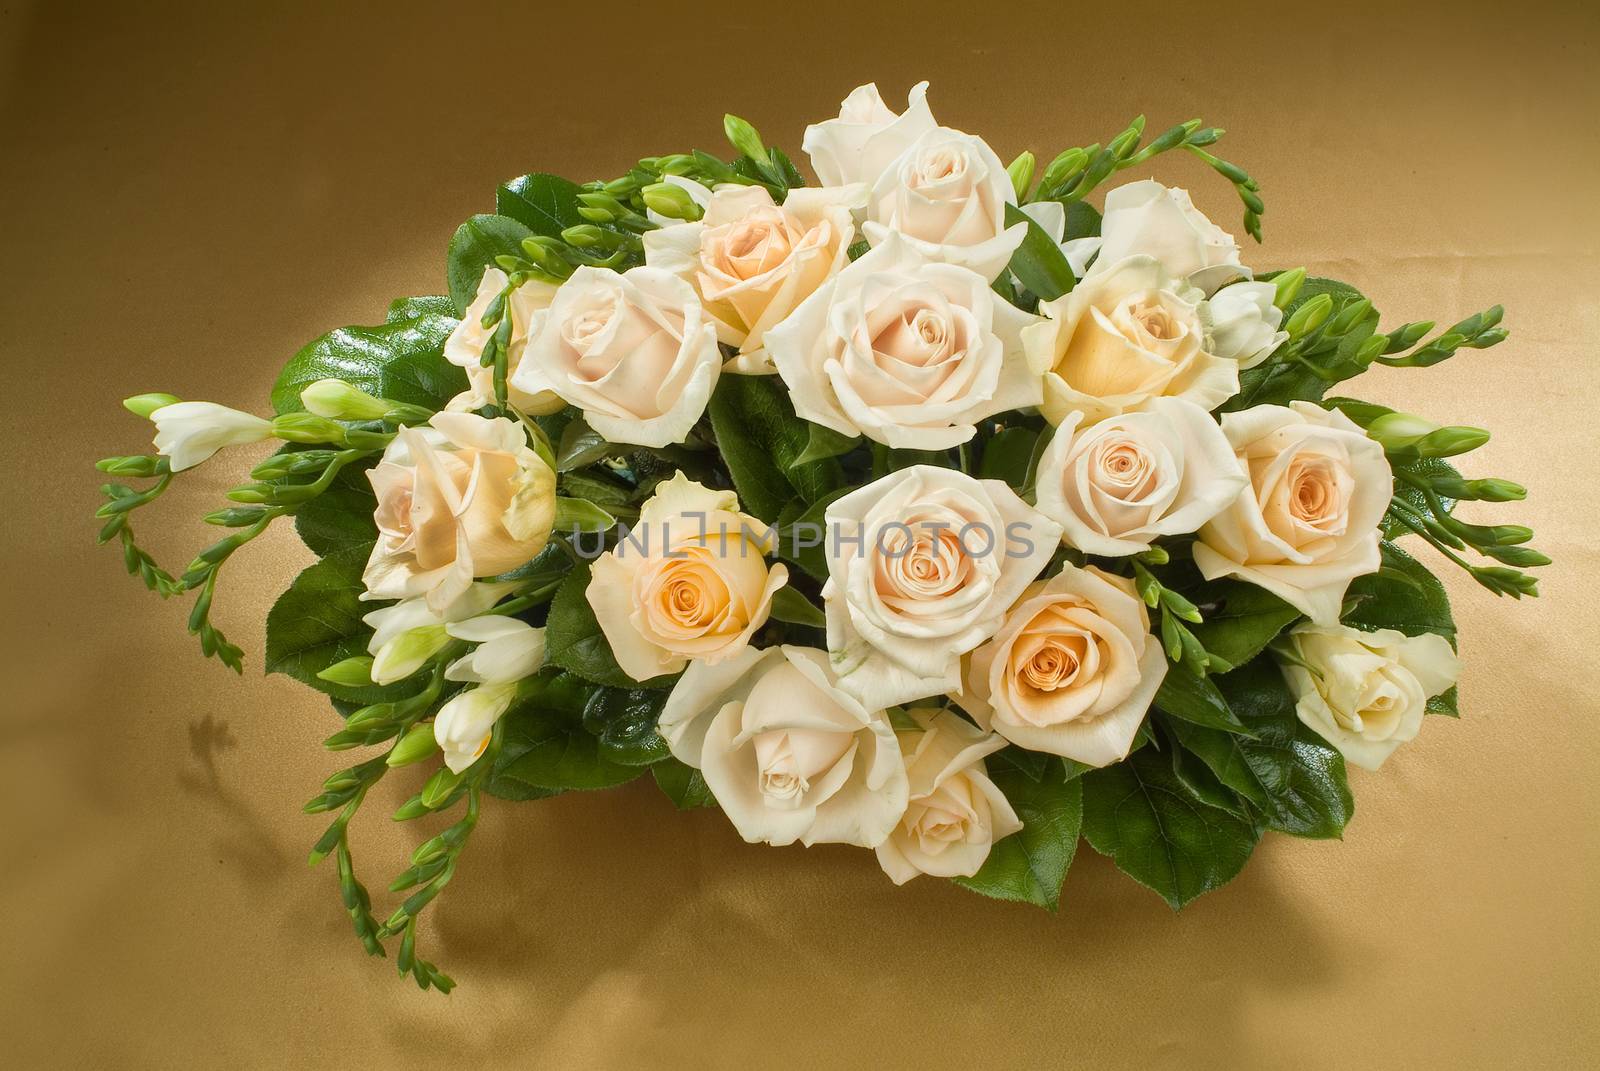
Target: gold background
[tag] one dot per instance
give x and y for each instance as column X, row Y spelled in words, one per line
column 189, row 194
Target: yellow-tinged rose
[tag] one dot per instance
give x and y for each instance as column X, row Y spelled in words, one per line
column 690, row 581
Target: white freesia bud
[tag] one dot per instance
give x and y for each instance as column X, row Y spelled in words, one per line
column 188, row 433
column 1366, row 692
column 1242, row 323
column 954, row 813
column 407, row 634
column 337, row 400
column 866, row 138
column 463, row 725
column 508, row 650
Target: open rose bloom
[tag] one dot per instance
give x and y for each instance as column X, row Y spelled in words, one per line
column 948, row 508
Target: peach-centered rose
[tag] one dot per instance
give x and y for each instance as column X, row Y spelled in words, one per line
column 905, row 351
column 1366, row 692
column 465, row 497
column 787, row 755
column 1307, row 524
column 954, row 813
column 1118, row 485
column 635, row 351
column 922, row 565
column 1122, row 337
column 947, row 195
column 464, row 348
column 690, row 581
column 1072, row 671
column 752, row 261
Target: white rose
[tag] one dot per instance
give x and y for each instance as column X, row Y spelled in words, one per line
column 1308, row 522
column 752, row 261
column 1117, row 486
column 634, row 351
column 1122, row 337
column 464, row 348
column 1072, row 671
column 188, row 433
column 954, row 813
column 905, row 351
column 922, row 566
column 1241, row 322
column 463, row 498
column 1370, row 689
column 866, row 138
column 689, row 582
column 947, row 195
column 1148, row 219
column 787, row 755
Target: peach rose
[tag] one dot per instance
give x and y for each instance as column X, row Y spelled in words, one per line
column 752, row 261
column 635, row 351
column 465, row 497
column 464, row 348
column 954, row 813
column 1072, row 671
column 1122, row 337
column 787, row 755
column 1307, row 524
column 690, row 581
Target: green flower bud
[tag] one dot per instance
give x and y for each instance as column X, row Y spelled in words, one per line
column 307, row 428
column 1448, row 442
column 1021, row 172
column 1064, row 168
column 416, row 745
column 1288, row 286
column 338, row 400
column 1309, row 316
column 439, row 787
column 145, row 404
column 672, row 201
column 352, row 672
column 1400, row 431
column 743, row 136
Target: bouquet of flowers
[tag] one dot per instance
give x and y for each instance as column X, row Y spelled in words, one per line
column 929, row 509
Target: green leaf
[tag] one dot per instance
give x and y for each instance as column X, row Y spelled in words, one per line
column 1242, row 622
column 555, row 756
column 602, row 490
column 792, row 606
column 580, row 445
column 576, row 515
column 1423, row 467
column 1039, row 262
column 1031, row 864
column 683, row 785
column 1083, row 221
column 317, row 622
column 403, row 361
column 1141, row 816
column 811, row 523
column 762, row 440
column 341, row 517
column 473, row 247
column 1278, row 382
column 1195, row 699
column 545, row 204
column 410, row 308
column 1404, row 596
column 1291, row 775
column 574, row 642
column 824, row 442
column 1009, row 456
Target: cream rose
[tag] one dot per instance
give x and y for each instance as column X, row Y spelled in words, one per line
column 1072, row 671
column 464, row 348
column 635, row 351
column 1241, row 323
column 462, row 498
column 1307, row 524
column 905, row 351
column 954, row 813
column 752, row 261
column 1117, row 486
column 786, row 753
column 1148, row 219
column 922, row 565
column 1122, row 337
column 688, row 582
column 1369, row 689
column 866, row 138
column 947, row 195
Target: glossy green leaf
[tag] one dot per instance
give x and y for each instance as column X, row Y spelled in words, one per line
column 1009, row 457
column 1404, row 596
column 545, row 204
column 403, row 361
column 410, row 308
column 574, row 642
column 1039, row 263
column 1240, row 619
column 473, row 248
column 1030, row 865
column 683, row 785
column 791, row 606
column 761, row 440
column 1195, row 699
